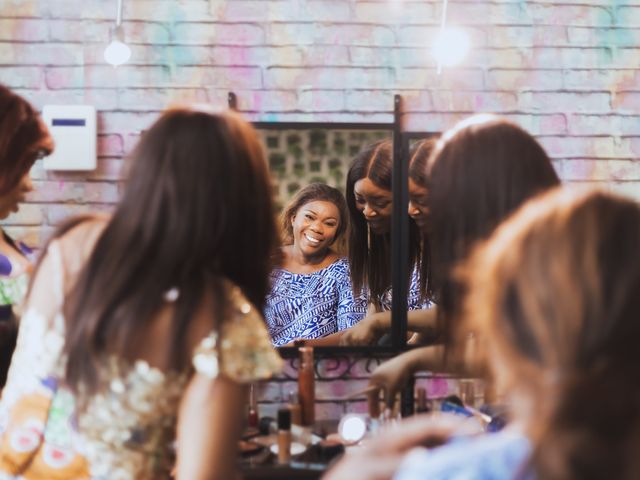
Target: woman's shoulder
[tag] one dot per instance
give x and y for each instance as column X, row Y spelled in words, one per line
column 243, row 345
column 339, row 265
column 491, row 456
column 340, row 271
column 86, row 229
column 80, row 239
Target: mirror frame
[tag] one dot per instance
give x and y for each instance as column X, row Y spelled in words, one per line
column 399, row 227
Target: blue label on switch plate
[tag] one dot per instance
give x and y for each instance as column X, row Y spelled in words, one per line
column 68, row 122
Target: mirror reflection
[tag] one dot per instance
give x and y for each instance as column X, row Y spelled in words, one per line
column 331, row 284
column 421, row 322
column 311, row 295
column 333, row 188
column 375, row 327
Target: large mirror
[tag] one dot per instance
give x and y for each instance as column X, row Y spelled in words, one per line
column 333, row 192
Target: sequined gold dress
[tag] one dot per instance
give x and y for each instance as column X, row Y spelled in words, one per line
column 128, row 430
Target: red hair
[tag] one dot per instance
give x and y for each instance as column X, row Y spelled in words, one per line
column 23, row 138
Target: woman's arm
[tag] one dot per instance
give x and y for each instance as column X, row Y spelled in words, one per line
column 332, row 340
column 372, row 327
column 210, row 423
column 392, row 375
column 210, row 418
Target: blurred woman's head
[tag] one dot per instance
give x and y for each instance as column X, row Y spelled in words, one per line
column 481, row 170
column 555, row 295
column 23, row 139
column 315, row 218
column 199, row 181
column 197, row 208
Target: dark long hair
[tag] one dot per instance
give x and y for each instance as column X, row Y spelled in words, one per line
column 197, row 209
column 23, row 138
column 480, row 172
column 418, row 156
column 312, row 193
column 370, row 253
column 555, row 294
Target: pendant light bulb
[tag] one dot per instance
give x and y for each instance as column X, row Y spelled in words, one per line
column 117, row 53
column 450, row 46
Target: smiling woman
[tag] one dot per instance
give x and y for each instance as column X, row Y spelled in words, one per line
column 311, row 295
column 314, row 226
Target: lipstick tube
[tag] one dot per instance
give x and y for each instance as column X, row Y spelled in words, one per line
column 284, row 436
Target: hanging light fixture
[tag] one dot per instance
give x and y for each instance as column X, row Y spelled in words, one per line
column 451, row 44
column 117, row 52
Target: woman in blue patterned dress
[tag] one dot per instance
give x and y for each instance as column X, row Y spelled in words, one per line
column 311, row 295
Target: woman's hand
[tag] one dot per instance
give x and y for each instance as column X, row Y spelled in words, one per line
column 380, row 457
column 368, row 330
column 393, row 375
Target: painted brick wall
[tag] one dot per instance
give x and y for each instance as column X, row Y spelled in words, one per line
column 566, row 70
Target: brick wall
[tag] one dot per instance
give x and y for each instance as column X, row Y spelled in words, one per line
column 567, row 71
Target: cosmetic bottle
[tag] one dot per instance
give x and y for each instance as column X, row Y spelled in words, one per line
column 284, row 436
column 306, row 386
column 294, row 407
column 422, row 405
column 373, row 404
column 468, row 392
column 252, row 416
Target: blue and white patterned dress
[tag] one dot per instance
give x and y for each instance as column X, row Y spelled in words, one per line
column 312, row 305
column 414, row 300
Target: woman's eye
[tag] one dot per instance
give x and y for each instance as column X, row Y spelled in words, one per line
column 306, row 215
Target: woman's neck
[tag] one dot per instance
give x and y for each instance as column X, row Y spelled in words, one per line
column 297, row 262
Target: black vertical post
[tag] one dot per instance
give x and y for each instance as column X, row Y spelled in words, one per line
column 399, row 230
column 232, row 101
column 407, row 407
